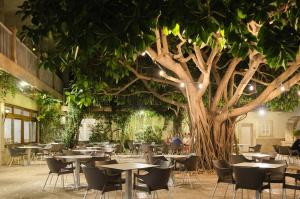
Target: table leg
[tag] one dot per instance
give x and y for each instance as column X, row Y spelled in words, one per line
column 128, row 185
column 257, row 194
column 77, row 173
column 28, row 156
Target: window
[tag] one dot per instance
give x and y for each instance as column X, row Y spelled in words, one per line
column 20, row 125
column 17, row 130
column 266, row 128
column 8, row 131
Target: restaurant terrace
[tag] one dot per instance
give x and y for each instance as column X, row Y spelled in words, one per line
column 149, row 99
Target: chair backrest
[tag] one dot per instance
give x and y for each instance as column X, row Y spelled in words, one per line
column 235, row 159
column 284, row 150
column 54, row 165
column 220, row 166
column 276, row 148
column 280, row 170
column 157, row 178
column 191, row 163
column 257, row 148
column 159, row 157
column 95, row 178
column 249, row 178
column 163, row 163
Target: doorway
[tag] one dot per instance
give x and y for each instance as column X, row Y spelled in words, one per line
column 245, row 136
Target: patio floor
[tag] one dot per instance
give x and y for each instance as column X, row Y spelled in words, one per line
column 25, row 182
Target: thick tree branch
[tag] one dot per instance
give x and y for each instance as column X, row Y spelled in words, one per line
column 275, row 84
column 165, row 44
column 143, row 77
column 158, row 41
column 255, row 61
column 224, row 82
column 252, row 79
column 287, row 85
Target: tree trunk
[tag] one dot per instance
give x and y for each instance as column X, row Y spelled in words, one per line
column 212, row 138
column 177, row 123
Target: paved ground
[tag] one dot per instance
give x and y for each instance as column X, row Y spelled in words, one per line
column 25, row 182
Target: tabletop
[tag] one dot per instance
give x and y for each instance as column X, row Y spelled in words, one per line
column 74, row 156
column 259, row 155
column 172, row 156
column 29, row 147
column 260, row 165
column 128, row 166
column 85, row 150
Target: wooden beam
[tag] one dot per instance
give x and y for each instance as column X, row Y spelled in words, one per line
column 17, row 71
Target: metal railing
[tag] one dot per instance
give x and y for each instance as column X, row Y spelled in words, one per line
column 26, row 59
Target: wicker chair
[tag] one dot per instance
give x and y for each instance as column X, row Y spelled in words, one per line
column 15, row 155
column 60, row 168
column 100, row 181
column 155, row 179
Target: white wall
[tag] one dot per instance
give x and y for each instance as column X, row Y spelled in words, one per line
column 279, row 127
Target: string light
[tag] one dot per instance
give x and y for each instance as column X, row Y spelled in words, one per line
column 200, row 85
column 298, row 92
column 282, row 88
column 162, row 73
column 182, row 84
column 251, row 87
column 144, row 53
column 23, row 84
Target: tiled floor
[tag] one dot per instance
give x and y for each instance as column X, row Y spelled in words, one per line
column 25, row 182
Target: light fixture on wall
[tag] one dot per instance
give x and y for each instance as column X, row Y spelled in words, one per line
column 262, row 111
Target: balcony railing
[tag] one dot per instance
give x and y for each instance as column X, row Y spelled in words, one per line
column 18, row 52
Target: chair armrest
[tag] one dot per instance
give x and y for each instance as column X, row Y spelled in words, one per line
column 292, row 175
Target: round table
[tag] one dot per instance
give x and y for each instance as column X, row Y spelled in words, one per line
column 28, row 151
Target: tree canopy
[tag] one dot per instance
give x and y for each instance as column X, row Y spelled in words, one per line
column 216, row 59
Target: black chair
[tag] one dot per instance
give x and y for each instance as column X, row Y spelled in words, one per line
column 235, row 159
column 111, row 172
column 190, row 164
column 15, row 155
column 287, row 152
column 276, row 148
column 255, row 149
column 60, row 168
column 276, row 175
column 98, row 180
column 224, row 173
column 288, row 185
column 250, row 178
column 158, row 157
column 156, row 179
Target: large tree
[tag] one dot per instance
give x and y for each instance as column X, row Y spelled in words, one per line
column 222, row 59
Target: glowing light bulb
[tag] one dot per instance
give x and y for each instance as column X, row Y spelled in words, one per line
column 7, row 111
column 23, row 84
column 298, row 92
column 282, row 88
column 200, row 85
column 251, row 87
column 144, row 53
column 162, row 73
column 182, row 85
column 262, row 111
